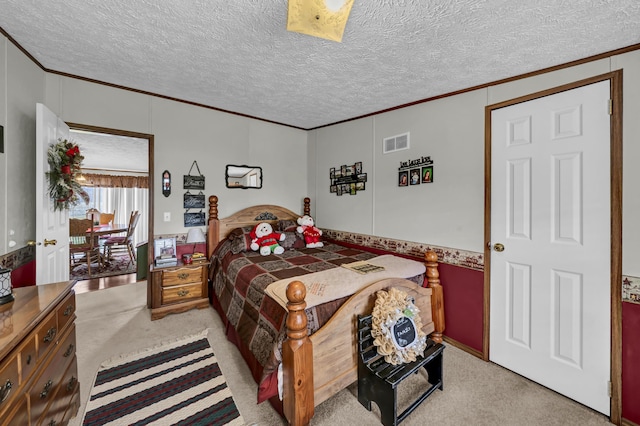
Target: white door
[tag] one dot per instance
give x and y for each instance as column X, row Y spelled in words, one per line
column 52, row 227
column 550, row 209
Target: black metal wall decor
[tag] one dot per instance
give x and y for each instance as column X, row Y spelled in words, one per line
column 347, row 179
column 166, row 183
column 415, row 172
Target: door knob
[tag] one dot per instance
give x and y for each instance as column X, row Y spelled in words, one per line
column 31, row 243
column 50, row 242
column 498, row 247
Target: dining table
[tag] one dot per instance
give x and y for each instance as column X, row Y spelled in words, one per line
column 112, row 228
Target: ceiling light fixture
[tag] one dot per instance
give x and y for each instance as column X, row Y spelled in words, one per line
column 319, row 18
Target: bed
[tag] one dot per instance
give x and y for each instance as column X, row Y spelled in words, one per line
column 313, row 348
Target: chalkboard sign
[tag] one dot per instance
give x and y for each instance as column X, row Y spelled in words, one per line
column 404, row 332
column 194, row 219
column 193, row 181
column 193, row 201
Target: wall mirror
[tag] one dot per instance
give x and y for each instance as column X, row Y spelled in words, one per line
column 243, row 177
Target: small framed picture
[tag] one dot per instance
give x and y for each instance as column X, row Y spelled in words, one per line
column 427, row 174
column 403, row 178
column 352, row 189
column 164, row 247
column 344, row 170
column 333, row 189
column 414, row 177
column 362, row 177
column 332, row 173
column 360, row 186
column 338, row 189
column 358, row 167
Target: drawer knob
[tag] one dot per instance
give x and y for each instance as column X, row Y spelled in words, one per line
column 50, row 335
column 71, row 384
column 29, row 359
column 68, row 311
column 183, row 293
column 183, row 275
column 46, row 389
column 6, row 390
column 69, row 351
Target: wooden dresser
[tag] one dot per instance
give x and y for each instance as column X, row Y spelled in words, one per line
column 38, row 366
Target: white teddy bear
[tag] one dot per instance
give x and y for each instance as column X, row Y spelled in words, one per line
column 263, row 238
column 310, row 232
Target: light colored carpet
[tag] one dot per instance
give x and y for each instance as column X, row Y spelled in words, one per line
column 116, row 321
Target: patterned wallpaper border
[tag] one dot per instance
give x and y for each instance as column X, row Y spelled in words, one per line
column 17, row 258
column 466, row 259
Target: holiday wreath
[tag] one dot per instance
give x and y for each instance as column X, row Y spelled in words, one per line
column 397, row 328
column 65, row 162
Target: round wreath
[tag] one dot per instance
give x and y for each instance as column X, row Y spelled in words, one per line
column 65, row 162
column 390, row 308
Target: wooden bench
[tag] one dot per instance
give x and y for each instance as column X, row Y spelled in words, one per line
column 378, row 380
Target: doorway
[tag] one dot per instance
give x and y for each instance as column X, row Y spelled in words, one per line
column 552, row 241
column 117, row 143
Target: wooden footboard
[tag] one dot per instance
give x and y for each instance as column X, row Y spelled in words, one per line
column 317, row 367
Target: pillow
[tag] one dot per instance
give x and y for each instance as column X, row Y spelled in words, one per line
column 240, row 239
column 292, row 240
column 286, row 225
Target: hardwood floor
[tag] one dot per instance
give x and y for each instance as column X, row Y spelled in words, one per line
column 85, row 286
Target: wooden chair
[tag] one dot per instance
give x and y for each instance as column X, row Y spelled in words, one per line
column 83, row 246
column 124, row 242
column 107, row 218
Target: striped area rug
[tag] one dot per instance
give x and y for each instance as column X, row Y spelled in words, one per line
column 176, row 383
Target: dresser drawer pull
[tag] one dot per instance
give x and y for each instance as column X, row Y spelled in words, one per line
column 183, row 275
column 69, row 351
column 52, row 423
column 68, row 311
column 50, row 335
column 5, row 391
column 183, row 293
column 71, row 384
column 46, row 389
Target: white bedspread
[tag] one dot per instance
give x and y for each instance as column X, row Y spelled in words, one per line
column 332, row 284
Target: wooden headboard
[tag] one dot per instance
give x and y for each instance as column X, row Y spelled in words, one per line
column 218, row 229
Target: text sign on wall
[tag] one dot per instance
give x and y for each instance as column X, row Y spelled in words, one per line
column 415, row 172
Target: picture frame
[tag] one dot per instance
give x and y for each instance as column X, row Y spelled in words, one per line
column 414, row 176
column 164, row 247
column 193, row 201
column 427, row 174
column 403, row 178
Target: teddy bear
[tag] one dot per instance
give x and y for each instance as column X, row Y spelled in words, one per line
column 264, row 239
column 310, row 232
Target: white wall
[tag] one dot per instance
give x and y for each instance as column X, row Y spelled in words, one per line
column 450, row 211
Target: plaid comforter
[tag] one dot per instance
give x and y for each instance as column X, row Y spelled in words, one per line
column 239, row 280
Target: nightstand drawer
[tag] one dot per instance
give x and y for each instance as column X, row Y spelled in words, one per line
column 182, row 276
column 181, row 293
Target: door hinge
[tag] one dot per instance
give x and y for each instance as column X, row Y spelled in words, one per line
column 610, row 388
column 610, row 106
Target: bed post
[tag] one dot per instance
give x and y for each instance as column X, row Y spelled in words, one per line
column 297, row 360
column 437, row 299
column 307, row 206
column 213, row 234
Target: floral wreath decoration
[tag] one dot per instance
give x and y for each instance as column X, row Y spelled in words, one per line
column 397, row 328
column 65, row 162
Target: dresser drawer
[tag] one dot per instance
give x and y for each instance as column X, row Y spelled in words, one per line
column 27, row 358
column 66, row 310
column 18, row 415
column 181, row 276
column 61, row 400
column 46, row 334
column 181, row 293
column 8, row 381
column 44, row 388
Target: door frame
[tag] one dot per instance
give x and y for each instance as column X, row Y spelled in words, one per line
column 615, row 78
column 149, row 138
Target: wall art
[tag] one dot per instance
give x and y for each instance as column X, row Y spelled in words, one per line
column 347, row 179
column 415, row 172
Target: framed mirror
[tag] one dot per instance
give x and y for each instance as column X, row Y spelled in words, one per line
column 243, row 177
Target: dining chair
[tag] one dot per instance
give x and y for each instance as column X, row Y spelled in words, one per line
column 107, row 218
column 83, row 246
column 124, row 242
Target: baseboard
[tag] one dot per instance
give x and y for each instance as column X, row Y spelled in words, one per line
column 626, row 422
column 463, row 347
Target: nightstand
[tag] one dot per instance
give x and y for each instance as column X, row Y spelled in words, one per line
column 176, row 289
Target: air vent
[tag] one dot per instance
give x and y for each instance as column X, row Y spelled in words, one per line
column 395, row 143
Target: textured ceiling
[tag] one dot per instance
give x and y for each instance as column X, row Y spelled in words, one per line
column 237, row 55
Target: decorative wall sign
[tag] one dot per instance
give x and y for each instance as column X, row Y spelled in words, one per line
column 194, row 219
column 193, row 201
column 415, row 172
column 194, row 181
column 347, row 179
